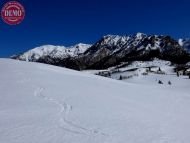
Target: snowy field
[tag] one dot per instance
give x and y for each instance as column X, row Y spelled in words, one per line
column 46, row 104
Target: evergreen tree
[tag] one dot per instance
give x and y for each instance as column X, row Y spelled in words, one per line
column 160, row 82
column 183, row 72
column 109, row 74
column 177, row 73
column 120, row 78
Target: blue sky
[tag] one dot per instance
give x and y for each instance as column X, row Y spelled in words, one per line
column 67, row 22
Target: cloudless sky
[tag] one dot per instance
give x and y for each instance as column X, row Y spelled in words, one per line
column 68, row 22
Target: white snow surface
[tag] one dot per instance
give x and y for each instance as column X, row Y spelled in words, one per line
column 181, row 42
column 46, row 104
column 54, row 52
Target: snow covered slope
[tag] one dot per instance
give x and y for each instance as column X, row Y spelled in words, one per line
column 52, row 51
column 185, row 43
column 47, row 104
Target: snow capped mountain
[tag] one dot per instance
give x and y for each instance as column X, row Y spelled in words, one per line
column 115, row 42
column 137, row 42
column 140, row 35
column 36, row 53
column 52, row 51
column 111, row 50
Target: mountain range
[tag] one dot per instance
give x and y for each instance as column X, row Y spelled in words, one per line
column 111, row 50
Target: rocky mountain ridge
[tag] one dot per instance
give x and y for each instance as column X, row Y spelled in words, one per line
column 111, row 50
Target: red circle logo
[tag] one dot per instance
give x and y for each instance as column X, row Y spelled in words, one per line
column 13, row 13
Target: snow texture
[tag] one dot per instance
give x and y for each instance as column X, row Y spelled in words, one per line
column 54, row 52
column 46, row 104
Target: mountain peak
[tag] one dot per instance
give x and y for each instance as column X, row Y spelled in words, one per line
column 140, row 35
column 110, row 36
column 53, row 51
column 80, row 45
column 111, row 50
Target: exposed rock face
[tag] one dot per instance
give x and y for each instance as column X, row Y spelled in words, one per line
column 111, row 50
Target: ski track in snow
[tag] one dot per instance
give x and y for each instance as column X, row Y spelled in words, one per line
column 63, row 122
column 141, row 110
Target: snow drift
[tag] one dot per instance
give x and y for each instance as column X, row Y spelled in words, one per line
column 46, row 104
